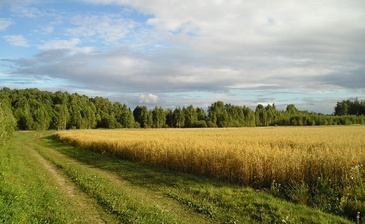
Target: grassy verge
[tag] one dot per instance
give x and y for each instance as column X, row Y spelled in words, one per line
column 204, row 199
column 26, row 193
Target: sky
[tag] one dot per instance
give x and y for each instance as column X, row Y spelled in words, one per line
column 172, row 53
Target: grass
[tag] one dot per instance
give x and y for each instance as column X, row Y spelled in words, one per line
column 322, row 167
column 26, row 193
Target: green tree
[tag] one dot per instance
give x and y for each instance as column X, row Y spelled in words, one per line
column 75, row 121
column 271, row 114
column 142, row 116
column 158, row 117
column 260, row 115
column 89, row 116
column 7, row 121
column 354, row 108
column 218, row 115
column 249, row 117
column 342, row 108
column 41, row 117
column 179, row 117
column 103, row 108
column 105, row 120
column 23, row 114
column 236, row 116
column 202, row 116
column 125, row 116
column 61, row 116
column 291, row 109
column 191, row 117
column 170, row 121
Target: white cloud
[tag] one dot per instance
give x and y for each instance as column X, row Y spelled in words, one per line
column 207, row 46
column 237, row 29
column 22, row 9
column 148, row 98
column 16, row 40
column 46, row 29
column 110, row 28
column 60, row 44
column 4, row 23
column 70, row 44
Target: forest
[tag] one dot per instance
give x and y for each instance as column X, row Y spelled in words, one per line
column 34, row 109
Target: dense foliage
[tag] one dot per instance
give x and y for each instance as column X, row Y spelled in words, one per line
column 347, row 107
column 41, row 110
column 7, row 121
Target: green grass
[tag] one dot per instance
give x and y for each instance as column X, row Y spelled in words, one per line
column 26, row 193
column 131, row 192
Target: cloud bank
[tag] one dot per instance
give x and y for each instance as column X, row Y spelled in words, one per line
column 187, row 52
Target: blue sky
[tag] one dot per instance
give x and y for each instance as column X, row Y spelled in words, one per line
column 176, row 53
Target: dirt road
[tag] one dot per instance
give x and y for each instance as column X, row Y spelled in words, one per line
column 83, row 204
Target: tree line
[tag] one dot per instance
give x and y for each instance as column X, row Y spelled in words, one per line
column 348, row 107
column 33, row 109
column 7, row 121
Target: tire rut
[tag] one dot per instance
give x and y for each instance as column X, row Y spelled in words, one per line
column 92, row 212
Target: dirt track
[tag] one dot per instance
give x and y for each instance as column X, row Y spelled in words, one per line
column 92, row 212
column 86, row 204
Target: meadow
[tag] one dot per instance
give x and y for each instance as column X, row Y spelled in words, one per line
column 322, row 167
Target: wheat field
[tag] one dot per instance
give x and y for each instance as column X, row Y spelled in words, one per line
column 248, row 156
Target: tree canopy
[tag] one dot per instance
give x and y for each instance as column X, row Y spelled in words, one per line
column 33, row 109
column 7, row 121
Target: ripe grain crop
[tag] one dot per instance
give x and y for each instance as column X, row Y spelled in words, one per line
column 244, row 155
column 274, row 157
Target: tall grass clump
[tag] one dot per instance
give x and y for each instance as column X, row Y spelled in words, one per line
column 318, row 166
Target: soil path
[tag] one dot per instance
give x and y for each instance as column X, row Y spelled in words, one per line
column 80, row 201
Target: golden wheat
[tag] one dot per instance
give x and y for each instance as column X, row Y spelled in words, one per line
column 254, row 156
